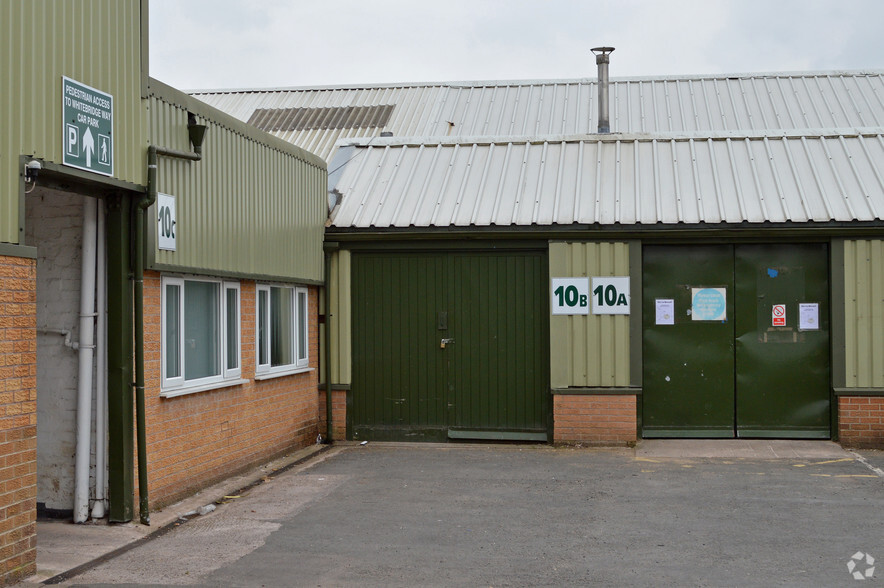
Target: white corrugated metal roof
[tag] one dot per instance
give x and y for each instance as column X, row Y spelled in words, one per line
column 697, row 104
column 778, row 148
column 624, row 180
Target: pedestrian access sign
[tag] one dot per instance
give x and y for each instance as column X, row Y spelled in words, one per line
column 87, row 127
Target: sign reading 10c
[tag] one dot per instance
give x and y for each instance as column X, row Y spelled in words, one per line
column 166, row 222
column 609, row 295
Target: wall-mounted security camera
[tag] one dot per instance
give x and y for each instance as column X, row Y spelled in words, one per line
column 32, row 170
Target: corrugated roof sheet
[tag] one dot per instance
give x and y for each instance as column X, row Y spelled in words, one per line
column 625, row 181
column 781, row 147
column 687, row 104
column 327, row 118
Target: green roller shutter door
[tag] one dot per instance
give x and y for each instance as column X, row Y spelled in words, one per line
column 490, row 381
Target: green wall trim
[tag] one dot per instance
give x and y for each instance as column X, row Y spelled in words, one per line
column 600, row 391
column 335, row 387
column 871, row 392
column 69, row 179
column 431, row 243
column 145, row 47
column 497, row 435
column 198, row 271
column 13, row 250
column 635, row 318
column 837, row 327
column 120, row 353
column 670, row 234
column 838, row 318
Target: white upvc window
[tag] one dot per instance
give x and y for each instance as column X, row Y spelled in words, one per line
column 200, row 333
column 281, row 331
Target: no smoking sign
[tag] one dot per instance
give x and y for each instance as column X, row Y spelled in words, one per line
column 778, row 315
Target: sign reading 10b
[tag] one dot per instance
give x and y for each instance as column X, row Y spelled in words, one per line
column 609, row 295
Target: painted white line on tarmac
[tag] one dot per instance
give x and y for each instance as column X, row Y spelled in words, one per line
column 878, row 471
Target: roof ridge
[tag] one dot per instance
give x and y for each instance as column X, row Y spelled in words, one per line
column 550, row 81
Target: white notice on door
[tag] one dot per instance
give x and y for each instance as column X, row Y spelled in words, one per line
column 665, row 311
column 809, row 316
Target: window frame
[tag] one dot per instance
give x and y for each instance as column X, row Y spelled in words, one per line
column 300, row 331
column 228, row 375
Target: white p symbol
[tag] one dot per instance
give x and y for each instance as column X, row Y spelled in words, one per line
column 73, row 146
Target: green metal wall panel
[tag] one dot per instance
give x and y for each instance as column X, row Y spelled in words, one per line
column 490, row 378
column 95, row 42
column 589, row 350
column 250, row 207
column 864, row 313
column 342, row 318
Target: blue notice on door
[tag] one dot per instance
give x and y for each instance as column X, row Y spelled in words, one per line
column 709, row 304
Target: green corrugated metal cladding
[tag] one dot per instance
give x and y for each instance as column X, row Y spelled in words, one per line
column 95, row 42
column 254, row 206
column 864, row 313
column 589, row 350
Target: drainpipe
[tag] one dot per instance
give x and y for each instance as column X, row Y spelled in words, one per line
column 328, row 371
column 196, row 132
column 602, row 60
column 85, row 351
column 98, row 509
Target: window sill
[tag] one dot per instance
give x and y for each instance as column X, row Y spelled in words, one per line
column 291, row 372
column 202, row 388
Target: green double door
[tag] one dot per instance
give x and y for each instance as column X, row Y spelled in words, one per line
column 449, row 345
column 736, row 341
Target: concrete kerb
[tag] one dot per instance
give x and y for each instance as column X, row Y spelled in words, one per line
column 175, row 515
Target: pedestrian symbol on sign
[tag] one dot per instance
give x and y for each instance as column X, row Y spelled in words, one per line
column 104, row 149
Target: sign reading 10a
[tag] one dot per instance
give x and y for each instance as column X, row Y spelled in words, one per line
column 609, row 295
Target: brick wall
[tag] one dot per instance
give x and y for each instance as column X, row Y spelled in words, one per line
column 198, row 439
column 18, row 418
column 861, row 421
column 594, row 419
column 339, row 413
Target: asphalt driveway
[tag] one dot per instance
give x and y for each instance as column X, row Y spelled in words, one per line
column 467, row 515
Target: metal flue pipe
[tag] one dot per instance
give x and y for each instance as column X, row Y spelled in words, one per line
column 602, row 60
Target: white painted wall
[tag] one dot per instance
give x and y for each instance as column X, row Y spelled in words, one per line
column 54, row 226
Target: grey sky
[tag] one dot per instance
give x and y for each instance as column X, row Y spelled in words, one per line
column 278, row 43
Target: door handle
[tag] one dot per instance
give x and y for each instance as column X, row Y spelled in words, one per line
column 445, row 342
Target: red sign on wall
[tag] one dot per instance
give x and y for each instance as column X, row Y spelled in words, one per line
column 778, row 315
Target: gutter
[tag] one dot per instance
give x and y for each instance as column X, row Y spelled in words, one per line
column 196, row 132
